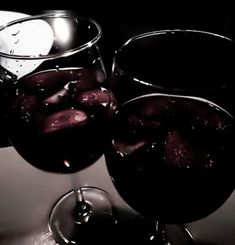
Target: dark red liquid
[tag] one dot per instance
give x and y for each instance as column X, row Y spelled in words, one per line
column 171, row 158
column 57, row 119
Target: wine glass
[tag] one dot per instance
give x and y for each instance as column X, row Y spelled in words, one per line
column 173, row 62
column 57, row 110
column 170, row 158
column 183, row 62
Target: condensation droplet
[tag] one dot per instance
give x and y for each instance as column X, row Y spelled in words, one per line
column 17, row 41
column 15, row 34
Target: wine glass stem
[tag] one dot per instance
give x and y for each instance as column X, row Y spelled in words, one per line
column 160, row 234
column 82, row 209
column 79, row 197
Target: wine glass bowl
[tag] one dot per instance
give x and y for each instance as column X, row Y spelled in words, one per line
column 49, row 127
column 60, row 95
column 186, row 62
column 170, row 156
column 58, row 107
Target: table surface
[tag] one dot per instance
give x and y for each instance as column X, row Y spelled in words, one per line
column 27, row 195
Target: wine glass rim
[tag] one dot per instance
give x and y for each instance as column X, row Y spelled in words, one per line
column 65, row 53
column 195, row 98
column 134, row 79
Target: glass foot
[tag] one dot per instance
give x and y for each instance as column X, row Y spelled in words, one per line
column 143, row 231
column 65, row 227
column 179, row 234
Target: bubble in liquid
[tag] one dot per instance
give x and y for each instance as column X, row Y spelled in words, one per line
column 177, row 150
column 24, row 107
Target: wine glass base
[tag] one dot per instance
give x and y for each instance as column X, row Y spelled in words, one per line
column 179, row 234
column 172, row 235
column 144, row 232
column 67, row 230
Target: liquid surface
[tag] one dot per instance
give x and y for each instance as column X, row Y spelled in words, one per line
column 170, row 158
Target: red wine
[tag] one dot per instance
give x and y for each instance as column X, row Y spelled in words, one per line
column 170, row 157
column 57, row 119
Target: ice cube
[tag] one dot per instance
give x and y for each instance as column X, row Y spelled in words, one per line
column 56, row 99
column 64, row 119
column 96, row 101
column 125, row 149
column 49, row 82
